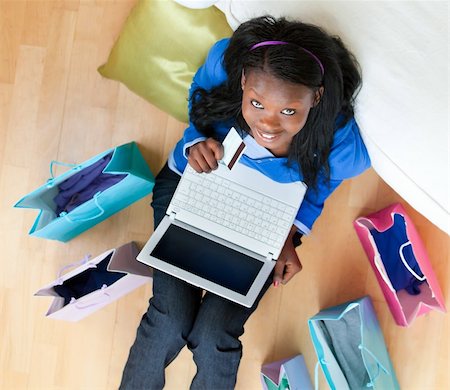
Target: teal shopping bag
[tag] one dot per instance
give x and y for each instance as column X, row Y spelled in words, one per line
column 350, row 347
column 136, row 181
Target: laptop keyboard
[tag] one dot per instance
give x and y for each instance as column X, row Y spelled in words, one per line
column 234, row 206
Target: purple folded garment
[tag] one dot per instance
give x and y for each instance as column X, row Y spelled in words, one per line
column 82, row 186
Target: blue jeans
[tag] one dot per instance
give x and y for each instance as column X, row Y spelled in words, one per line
column 180, row 314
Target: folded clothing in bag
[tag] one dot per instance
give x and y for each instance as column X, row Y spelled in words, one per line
column 344, row 338
column 90, row 280
column 83, row 185
column 394, row 244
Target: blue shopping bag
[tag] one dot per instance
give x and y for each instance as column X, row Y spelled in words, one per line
column 123, row 179
column 350, row 347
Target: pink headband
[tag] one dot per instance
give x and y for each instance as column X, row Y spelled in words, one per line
column 272, row 43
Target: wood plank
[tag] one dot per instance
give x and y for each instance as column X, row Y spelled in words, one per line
column 20, row 142
column 12, row 14
column 5, row 109
column 37, row 29
column 54, row 89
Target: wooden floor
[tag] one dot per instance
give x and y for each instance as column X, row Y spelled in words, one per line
column 55, row 106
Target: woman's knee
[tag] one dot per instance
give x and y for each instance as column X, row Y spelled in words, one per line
column 210, row 340
column 207, row 344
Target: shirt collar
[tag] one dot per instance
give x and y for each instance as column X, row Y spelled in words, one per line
column 255, row 150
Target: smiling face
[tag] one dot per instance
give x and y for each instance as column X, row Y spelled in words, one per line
column 274, row 109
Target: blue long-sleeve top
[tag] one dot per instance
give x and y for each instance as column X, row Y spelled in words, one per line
column 348, row 155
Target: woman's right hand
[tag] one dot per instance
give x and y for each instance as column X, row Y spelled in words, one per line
column 203, row 156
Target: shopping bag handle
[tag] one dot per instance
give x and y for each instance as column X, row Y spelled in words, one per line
column 84, row 260
column 379, row 365
column 316, row 373
column 54, row 162
column 361, row 347
column 100, row 213
column 51, row 180
column 405, row 263
column 105, row 297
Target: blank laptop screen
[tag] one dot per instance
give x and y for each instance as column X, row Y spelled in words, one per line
column 207, row 259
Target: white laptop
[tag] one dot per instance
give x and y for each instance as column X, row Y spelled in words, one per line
column 223, row 231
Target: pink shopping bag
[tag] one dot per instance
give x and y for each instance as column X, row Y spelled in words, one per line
column 400, row 262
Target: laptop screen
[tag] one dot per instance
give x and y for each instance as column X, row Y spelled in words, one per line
column 207, row 259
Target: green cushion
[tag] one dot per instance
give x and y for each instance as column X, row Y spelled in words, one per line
column 160, row 48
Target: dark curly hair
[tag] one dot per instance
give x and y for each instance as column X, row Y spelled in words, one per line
column 341, row 81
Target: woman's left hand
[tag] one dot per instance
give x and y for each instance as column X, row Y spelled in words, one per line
column 288, row 263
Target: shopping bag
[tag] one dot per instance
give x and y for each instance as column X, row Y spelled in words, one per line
column 350, row 347
column 95, row 283
column 286, row 374
column 89, row 193
column 400, row 262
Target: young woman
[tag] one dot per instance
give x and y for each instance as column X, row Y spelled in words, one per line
column 289, row 88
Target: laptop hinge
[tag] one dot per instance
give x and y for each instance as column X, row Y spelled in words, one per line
column 269, row 256
column 172, row 215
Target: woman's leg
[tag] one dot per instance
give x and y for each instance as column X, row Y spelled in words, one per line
column 214, row 341
column 163, row 330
